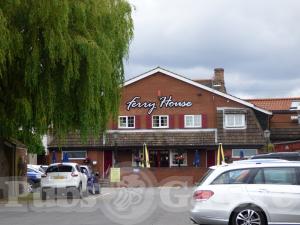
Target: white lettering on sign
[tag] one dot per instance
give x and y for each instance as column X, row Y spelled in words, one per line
column 134, row 103
column 164, row 102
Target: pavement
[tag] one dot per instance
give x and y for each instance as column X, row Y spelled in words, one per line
column 114, row 206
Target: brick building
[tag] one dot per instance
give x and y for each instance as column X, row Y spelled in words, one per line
column 173, row 116
column 284, row 123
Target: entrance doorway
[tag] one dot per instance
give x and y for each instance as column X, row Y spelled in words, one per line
column 108, row 159
column 159, row 158
column 210, row 158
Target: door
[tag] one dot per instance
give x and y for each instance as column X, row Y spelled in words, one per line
column 277, row 189
column 108, row 159
column 210, row 158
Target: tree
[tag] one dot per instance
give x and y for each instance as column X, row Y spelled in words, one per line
column 61, row 65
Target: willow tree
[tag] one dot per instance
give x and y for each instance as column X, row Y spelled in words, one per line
column 61, row 64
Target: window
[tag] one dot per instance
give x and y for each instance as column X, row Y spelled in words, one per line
column 242, row 176
column 160, row 121
column 295, row 104
column 159, row 158
column 235, row 121
column 280, row 176
column 192, row 121
column 126, row 122
column 60, row 168
column 178, row 155
column 75, row 154
column 137, row 158
column 236, row 153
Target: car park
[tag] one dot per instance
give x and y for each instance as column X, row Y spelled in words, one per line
column 257, row 193
column 290, row 156
column 93, row 185
column 64, row 178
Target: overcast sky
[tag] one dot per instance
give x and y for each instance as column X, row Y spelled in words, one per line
column 256, row 42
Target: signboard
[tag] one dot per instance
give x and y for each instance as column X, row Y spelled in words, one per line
column 164, row 102
column 115, row 175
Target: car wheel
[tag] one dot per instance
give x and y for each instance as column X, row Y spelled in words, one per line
column 97, row 189
column 69, row 195
column 79, row 191
column 86, row 192
column 248, row 215
column 43, row 195
column 93, row 190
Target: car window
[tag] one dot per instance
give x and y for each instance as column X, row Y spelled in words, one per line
column 61, row 168
column 30, row 170
column 259, row 177
column 241, row 176
column 280, row 176
column 205, row 176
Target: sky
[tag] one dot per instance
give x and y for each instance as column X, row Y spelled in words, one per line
column 256, row 42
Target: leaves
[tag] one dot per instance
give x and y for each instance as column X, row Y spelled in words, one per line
column 61, row 64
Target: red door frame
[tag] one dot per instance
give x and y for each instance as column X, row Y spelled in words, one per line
column 210, row 158
column 108, row 160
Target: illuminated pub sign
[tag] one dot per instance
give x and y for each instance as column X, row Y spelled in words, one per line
column 164, row 102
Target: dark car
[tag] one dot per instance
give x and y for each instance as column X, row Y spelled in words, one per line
column 93, row 185
column 290, row 156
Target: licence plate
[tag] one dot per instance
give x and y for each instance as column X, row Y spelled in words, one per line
column 58, row 177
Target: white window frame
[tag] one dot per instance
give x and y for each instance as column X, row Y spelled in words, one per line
column 171, row 157
column 193, row 125
column 119, row 125
column 237, row 156
column 226, row 126
column 62, row 154
column 160, row 116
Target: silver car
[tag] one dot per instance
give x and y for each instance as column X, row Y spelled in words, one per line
column 257, row 193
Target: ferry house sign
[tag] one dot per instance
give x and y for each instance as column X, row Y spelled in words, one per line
column 164, row 102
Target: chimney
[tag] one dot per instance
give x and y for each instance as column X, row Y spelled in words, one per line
column 218, row 80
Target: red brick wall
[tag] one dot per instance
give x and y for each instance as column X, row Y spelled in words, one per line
column 283, row 121
column 160, row 176
column 204, row 102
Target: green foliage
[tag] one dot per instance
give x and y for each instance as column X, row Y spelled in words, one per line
column 61, row 64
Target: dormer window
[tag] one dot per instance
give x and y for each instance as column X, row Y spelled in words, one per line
column 234, row 121
column 295, row 105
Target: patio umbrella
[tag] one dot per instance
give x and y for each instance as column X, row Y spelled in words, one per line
column 65, row 157
column 196, row 162
column 220, row 156
column 146, row 156
column 53, row 157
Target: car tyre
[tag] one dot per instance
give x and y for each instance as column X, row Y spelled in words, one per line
column 97, row 189
column 43, row 195
column 250, row 215
column 79, row 191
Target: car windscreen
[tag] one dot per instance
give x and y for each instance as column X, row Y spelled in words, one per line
column 61, row 168
column 205, row 176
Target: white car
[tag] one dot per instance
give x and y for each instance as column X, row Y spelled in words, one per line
column 257, row 193
column 61, row 178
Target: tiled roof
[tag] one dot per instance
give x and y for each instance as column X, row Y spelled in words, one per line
column 157, row 138
column 206, row 82
column 273, row 104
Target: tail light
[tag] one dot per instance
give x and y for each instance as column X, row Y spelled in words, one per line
column 74, row 174
column 203, row 195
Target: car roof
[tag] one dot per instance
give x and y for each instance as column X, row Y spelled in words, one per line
column 278, row 154
column 64, row 163
column 255, row 164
